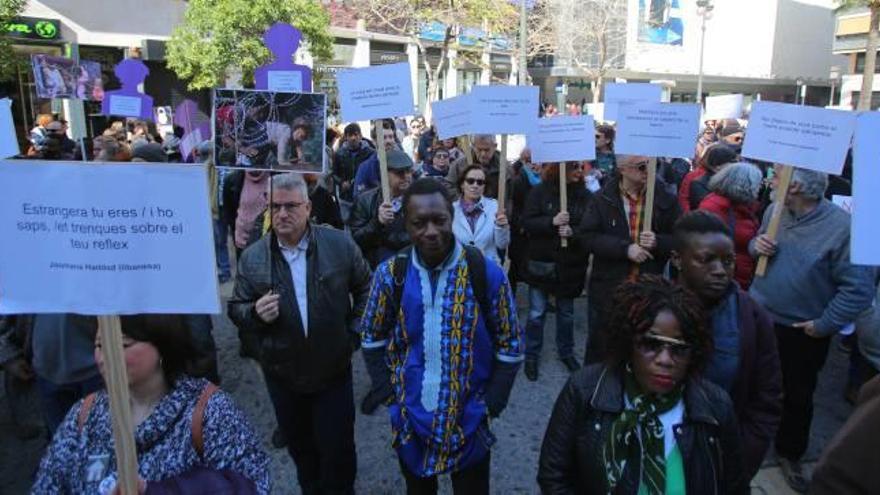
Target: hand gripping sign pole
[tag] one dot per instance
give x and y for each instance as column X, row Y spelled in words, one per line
column 778, row 207
column 563, row 196
column 116, row 379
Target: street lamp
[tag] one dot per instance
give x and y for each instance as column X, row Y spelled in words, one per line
column 704, row 10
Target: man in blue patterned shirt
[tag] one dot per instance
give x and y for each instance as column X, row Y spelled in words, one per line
column 440, row 327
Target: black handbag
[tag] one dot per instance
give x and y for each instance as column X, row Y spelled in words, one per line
column 543, row 271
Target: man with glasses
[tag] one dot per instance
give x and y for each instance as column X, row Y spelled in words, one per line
column 376, row 222
column 732, row 134
column 622, row 248
column 301, row 289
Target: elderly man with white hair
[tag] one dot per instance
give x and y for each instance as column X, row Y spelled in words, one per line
column 812, row 291
column 484, row 152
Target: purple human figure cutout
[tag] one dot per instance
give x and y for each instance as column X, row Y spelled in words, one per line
column 282, row 74
column 128, row 101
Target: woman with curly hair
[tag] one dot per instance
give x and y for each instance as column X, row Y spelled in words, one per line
column 644, row 422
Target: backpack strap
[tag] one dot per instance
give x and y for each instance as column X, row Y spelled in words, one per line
column 84, row 410
column 477, row 268
column 398, row 270
column 198, row 418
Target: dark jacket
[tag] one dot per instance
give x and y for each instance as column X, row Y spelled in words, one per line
column 757, row 390
column 232, row 186
column 345, row 165
column 377, row 241
column 605, row 228
column 544, row 241
column 850, row 462
column 571, row 454
column 336, row 270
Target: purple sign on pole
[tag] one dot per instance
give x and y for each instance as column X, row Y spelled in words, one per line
column 282, row 74
column 196, row 127
column 128, row 101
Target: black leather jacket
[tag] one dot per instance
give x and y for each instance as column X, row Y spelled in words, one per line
column 571, row 455
column 377, row 241
column 338, row 285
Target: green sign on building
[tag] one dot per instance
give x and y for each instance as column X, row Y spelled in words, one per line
column 33, row 28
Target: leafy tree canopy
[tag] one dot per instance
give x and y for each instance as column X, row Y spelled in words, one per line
column 9, row 9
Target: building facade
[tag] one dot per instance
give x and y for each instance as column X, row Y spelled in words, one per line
column 850, row 42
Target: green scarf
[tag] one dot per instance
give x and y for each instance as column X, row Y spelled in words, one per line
column 622, row 446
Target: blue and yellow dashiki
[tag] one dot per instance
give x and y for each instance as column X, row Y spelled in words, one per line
column 441, row 354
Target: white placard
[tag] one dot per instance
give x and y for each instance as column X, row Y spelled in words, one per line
column 865, row 236
column 285, row 81
column 562, row 139
column 724, row 107
column 106, row 239
column 625, row 93
column 8, row 141
column 808, row 137
column 597, row 110
column 658, row 129
column 375, row 92
column 452, row 116
column 125, row 106
column 504, row 109
column 190, row 142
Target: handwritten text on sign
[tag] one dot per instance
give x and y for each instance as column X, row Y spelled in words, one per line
column 807, row 137
column 657, row 129
column 106, row 239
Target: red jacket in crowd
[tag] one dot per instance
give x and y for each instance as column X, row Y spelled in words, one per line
column 684, row 191
column 742, row 221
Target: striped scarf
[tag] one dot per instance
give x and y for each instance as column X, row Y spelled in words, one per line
column 623, row 445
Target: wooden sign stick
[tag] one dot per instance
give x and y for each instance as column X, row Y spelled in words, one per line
column 649, row 197
column 502, row 174
column 468, row 152
column 563, row 196
column 383, row 160
column 778, row 207
column 116, row 379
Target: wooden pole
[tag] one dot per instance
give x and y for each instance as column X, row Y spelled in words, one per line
column 502, row 174
column 116, row 379
column 649, row 196
column 383, row 160
column 468, row 152
column 778, row 207
column 563, row 196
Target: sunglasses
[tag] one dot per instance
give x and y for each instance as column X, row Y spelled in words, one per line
column 277, row 207
column 641, row 167
column 479, row 182
column 652, row 345
column 442, row 156
column 737, row 139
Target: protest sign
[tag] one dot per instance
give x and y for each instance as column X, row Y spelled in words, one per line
column 452, row 117
column 504, row 109
column 129, row 101
column 807, row 137
column 282, row 74
column 724, row 107
column 269, row 131
column 617, row 94
column 8, row 141
column 865, row 236
column 375, row 92
column 657, row 129
column 106, row 239
column 560, row 139
column 60, row 77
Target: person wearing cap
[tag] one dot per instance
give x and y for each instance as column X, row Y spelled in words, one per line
column 377, row 223
column 732, row 133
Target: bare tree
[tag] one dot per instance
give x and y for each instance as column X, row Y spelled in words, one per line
column 410, row 17
column 587, row 35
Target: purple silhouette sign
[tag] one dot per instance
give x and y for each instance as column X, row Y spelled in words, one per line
column 128, row 101
column 282, row 74
column 196, row 127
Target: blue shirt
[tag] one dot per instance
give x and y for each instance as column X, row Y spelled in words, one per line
column 441, row 352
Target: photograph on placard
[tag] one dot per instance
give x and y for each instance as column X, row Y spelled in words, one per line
column 269, row 130
column 59, row 77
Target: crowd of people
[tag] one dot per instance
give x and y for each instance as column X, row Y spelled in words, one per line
column 693, row 367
